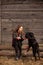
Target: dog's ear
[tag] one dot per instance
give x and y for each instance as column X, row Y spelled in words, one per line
column 27, row 35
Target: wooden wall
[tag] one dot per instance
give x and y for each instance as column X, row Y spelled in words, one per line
column 27, row 13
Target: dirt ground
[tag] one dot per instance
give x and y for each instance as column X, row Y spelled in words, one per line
column 4, row 60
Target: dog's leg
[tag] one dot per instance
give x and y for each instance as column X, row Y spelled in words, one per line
column 38, row 52
column 28, row 48
column 34, row 53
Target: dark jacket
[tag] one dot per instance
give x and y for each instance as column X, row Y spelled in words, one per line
column 16, row 41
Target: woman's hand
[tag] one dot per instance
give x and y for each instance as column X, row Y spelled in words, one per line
column 18, row 38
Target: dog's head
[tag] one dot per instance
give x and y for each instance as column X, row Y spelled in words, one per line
column 29, row 35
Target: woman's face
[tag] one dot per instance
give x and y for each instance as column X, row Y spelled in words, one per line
column 20, row 29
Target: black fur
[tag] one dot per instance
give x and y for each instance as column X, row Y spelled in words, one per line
column 32, row 43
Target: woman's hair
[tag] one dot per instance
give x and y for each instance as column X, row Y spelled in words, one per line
column 17, row 28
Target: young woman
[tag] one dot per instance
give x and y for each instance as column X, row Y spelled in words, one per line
column 17, row 41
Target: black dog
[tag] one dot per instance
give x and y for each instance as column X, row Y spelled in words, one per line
column 32, row 43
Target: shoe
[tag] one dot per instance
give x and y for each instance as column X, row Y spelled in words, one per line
column 17, row 58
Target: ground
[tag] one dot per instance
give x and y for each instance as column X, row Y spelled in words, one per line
column 4, row 60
